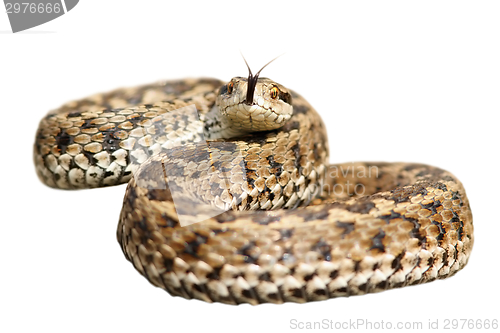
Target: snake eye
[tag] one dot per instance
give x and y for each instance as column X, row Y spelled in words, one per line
column 230, row 87
column 274, row 92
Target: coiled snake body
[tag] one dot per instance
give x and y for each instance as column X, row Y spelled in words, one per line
column 265, row 218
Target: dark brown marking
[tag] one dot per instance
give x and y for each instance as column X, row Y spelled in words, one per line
column 377, row 241
column 347, row 226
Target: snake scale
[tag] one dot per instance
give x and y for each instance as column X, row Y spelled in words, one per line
column 266, row 218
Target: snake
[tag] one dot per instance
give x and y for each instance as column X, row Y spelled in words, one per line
column 231, row 197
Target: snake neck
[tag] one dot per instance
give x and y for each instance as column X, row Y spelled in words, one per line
column 218, row 126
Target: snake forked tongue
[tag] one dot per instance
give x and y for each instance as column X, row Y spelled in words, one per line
column 252, row 81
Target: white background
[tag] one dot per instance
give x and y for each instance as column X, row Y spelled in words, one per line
column 393, row 80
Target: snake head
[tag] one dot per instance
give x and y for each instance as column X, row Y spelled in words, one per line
column 255, row 104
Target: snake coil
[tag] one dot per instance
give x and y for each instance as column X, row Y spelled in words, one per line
column 266, row 218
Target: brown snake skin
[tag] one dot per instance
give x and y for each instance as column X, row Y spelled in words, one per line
column 334, row 230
